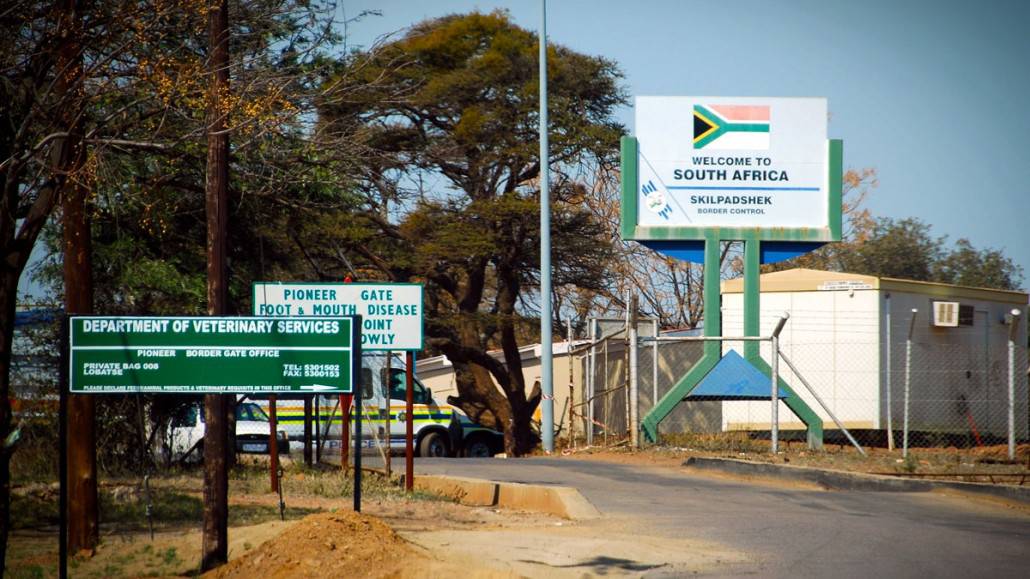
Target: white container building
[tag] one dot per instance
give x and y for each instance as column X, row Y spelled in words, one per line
column 847, row 335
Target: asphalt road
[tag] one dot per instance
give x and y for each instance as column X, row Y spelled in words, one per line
column 788, row 531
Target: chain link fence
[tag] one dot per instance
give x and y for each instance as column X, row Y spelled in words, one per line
column 936, row 389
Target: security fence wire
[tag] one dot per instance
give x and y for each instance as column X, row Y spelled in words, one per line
column 958, row 384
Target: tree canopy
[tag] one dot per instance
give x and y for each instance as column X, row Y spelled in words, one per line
column 904, row 248
column 907, row 249
column 451, row 196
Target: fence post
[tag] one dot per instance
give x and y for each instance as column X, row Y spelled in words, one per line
column 591, row 388
column 654, row 364
column 634, row 375
column 1013, row 334
column 774, row 374
column 908, row 378
column 625, row 370
column 890, row 346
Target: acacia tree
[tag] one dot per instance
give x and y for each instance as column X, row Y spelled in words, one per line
column 907, row 249
column 451, row 197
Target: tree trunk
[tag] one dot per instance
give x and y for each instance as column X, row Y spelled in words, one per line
column 215, row 548
column 8, row 301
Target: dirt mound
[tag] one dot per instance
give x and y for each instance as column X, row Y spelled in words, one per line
column 342, row 544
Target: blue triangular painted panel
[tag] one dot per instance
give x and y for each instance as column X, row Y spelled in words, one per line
column 734, row 378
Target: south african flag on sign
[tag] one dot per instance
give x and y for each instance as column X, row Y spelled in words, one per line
column 731, row 127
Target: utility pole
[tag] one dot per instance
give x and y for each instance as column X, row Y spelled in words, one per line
column 215, row 549
column 83, row 528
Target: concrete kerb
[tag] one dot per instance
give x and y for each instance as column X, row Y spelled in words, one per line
column 851, row 481
column 565, row 502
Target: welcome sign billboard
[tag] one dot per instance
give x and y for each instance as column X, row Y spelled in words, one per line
column 731, row 162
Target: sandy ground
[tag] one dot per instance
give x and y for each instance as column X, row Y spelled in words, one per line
column 392, row 538
column 406, row 538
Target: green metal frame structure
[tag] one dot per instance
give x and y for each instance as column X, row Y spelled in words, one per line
column 713, row 238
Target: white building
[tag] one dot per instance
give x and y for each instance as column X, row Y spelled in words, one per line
column 846, row 330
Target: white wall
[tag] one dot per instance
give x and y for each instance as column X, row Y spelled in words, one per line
column 959, row 375
column 832, row 337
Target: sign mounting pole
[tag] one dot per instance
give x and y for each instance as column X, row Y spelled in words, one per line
column 359, row 406
column 546, row 352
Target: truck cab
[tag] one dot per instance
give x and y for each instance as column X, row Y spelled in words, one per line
column 437, row 427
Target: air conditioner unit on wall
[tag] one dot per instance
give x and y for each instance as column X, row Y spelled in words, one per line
column 952, row 315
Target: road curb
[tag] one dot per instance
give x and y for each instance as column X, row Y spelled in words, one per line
column 565, row 502
column 851, row 481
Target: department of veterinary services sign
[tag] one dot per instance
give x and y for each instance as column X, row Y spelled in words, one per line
column 391, row 312
column 737, row 162
column 210, row 355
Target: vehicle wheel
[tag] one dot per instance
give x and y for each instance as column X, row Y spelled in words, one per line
column 433, row 444
column 478, row 447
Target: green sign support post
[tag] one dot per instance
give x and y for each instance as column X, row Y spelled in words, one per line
column 775, row 186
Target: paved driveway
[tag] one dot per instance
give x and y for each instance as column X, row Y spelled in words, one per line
column 787, row 531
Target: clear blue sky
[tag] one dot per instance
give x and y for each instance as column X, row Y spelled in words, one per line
column 933, row 94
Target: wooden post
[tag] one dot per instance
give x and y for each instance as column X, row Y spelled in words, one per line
column 215, row 547
column 273, row 444
column 307, row 430
column 83, row 527
column 345, row 403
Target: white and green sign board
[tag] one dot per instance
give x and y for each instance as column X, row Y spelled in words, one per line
column 733, row 163
column 210, row 355
column 392, row 313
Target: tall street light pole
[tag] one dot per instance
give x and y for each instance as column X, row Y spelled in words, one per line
column 546, row 351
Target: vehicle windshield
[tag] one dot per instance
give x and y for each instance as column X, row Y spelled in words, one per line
column 398, row 390
column 250, row 411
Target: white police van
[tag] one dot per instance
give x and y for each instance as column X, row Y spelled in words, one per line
column 439, row 428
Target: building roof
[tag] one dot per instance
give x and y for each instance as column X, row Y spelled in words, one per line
column 36, row 316
column 802, row 280
column 527, row 352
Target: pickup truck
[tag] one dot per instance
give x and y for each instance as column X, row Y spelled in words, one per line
column 185, row 434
